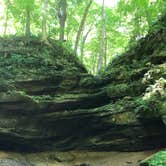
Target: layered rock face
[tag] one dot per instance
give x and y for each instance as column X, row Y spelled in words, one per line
column 48, row 101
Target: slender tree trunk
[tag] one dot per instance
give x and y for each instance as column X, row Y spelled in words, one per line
column 62, row 15
column 67, row 36
column 6, row 23
column 6, row 18
column 94, row 64
column 81, row 26
column 148, row 18
column 102, row 39
column 105, row 49
column 83, row 43
column 44, row 20
column 136, row 31
column 28, row 19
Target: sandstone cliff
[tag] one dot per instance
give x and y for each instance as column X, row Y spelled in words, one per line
column 49, row 101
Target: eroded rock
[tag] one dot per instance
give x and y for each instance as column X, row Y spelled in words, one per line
column 54, row 104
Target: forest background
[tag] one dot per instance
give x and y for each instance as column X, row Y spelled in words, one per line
column 94, row 30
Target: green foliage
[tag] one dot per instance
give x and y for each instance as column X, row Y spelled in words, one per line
column 42, row 98
column 33, row 58
column 151, row 104
column 148, row 108
column 118, row 90
column 159, row 159
column 124, row 25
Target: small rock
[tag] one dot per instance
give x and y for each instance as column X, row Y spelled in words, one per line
column 84, row 164
column 129, row 162
column 11, row 162
column 144, row 164
column 61, row 157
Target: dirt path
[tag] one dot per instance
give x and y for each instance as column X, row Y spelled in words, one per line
column 75, row 158
column 110, row 158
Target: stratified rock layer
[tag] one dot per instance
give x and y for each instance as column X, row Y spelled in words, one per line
column 48, row 101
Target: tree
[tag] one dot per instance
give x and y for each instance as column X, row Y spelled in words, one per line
column 28, row 18
column 28, row 7
column 102, row 53
column 62, row 15
column 22, row 11
column 81, row 26
column 83, row 42
column 7, row 3
column 114, row 29
column 44, row 20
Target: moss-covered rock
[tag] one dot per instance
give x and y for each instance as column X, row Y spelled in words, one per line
column 49, row 101
column 26, row 59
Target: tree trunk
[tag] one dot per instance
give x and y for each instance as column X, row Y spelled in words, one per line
column 6, row 18
column 105, row 50
column 28, row 19
column 94, row 65
column 83, row 42
column 44, row 20
column 81, row 26
column 136, row 30
column 62, row 15
column 102, row 39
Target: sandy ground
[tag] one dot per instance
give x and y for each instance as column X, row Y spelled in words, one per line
column 75, row 158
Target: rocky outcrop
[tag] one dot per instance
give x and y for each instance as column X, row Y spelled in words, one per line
column 48, row 101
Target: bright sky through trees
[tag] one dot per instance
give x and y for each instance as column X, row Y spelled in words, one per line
column 120, row 22
column 1, row 15
column 108, row 3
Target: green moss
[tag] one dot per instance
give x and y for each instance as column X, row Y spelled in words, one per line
column 148, row 108
column 152, row 103
column 124, row 118
column 69, row 97
column 42, row 98
column 58, row 98
column 68, row 84
column 155, row 73
column 159, row 56
column 134, row 88
column 117, row 91
column 89, row 81
column 29, row 59
column 159, row 159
